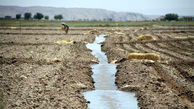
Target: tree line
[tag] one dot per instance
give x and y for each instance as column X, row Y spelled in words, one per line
column 38, row 16
column 175, row 17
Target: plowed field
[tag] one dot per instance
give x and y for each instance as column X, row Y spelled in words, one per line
column 37, row 72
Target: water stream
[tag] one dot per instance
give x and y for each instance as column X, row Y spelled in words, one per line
column 106, row 95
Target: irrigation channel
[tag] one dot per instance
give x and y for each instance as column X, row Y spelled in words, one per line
column 106, row 95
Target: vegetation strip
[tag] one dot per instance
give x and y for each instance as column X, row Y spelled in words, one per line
column 44, row 23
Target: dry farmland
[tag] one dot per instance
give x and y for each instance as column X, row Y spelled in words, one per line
column 37, row 72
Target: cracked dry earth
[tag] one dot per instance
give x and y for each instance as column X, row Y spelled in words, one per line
column 35, row 72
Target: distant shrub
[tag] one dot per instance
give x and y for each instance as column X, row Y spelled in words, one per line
column 58, row 17
column 8, row 17
column 18, row 16
column 38, row 16
column 171, row 17
column 27, row 16
column 46, row 17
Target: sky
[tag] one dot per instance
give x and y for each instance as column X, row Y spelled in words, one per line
column 149, row 7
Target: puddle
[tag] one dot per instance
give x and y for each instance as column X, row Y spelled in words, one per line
column 106, row 95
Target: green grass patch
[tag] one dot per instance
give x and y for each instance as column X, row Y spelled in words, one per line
column 23, row 23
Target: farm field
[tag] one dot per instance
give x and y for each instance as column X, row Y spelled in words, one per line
column 37, row 72
column 167, row 83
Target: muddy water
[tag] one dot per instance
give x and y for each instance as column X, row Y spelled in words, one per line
column 106, row 95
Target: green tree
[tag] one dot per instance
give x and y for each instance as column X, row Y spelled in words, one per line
column 18, row 16
column 27, row 16
column 58, row 17
column 46, row 17
column 38, row 16
column 171, row 17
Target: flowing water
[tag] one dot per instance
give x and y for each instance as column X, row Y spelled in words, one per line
column 106, row 95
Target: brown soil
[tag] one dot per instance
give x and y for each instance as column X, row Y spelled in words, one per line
column 35, row 72
column 166, row 84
